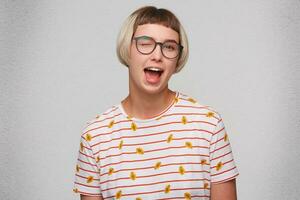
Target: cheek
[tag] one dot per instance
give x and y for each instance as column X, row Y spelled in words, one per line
column 135, row 58
column 172, row 66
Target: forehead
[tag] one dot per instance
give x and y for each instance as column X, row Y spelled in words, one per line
column 157, row 32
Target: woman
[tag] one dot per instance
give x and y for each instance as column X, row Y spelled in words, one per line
column 157, row 143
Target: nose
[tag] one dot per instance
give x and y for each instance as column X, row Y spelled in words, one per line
column 157, row 53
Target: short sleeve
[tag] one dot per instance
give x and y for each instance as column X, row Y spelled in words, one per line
column 87, row 176
column 222, row 163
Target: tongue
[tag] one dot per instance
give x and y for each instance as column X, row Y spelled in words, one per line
column 152, row 77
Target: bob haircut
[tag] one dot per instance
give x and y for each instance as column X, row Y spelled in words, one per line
column 150, row 15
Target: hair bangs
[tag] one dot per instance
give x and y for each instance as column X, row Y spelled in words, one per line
column 160, row 16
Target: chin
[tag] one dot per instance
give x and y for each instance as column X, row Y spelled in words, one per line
column 154, row 89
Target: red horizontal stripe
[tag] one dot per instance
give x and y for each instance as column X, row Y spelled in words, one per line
column 179, row 147
column 83, row 138
column 116, row 115
column 85, row 147
column 218, row 141
column 221, row 156
column 152, row 134
column 153, row 142
column 184, row 114
column 228, row 179
column 184, row 163
column 205, row 122
column 86, row 163
column 219, row 131
column 151, row 167
column 154, row 150
column 223, row 171
column 224, row 163
column 154, row 183
column 113, row 109
column 143, row 127
column 167, row 115
column 197, row 107
column 178, row 122
column 157, row 191
column 219, row 148
column 108, row 133
column 193, row 196
column 97, row 121
column 86, row 177
column 88, row 194
column 90, row 186
column 105, row 126
column 83, row 169
column 152, row 175
column 86, row 155
column 156, row 158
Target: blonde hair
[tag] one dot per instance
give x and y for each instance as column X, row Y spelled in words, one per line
column 150, row 15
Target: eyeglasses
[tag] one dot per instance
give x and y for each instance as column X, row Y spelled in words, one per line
column 146, row 45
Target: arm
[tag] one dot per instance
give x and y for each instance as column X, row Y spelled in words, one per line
column 224, row 191
column 84, row 197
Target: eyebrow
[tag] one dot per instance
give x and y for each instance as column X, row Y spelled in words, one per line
column 148, row 37
column 144, row 37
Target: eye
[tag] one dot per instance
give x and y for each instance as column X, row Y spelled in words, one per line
column 145, row 41
column 170, row 46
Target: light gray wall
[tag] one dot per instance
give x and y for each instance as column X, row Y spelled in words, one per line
column 59, row 69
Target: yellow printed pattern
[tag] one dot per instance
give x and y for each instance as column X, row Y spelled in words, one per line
column 111, row 171
column 174, row 155
column 157, row 165
column 184, row 120
column 187, row 196
column 140, row 151
column 170, row 138
column 219, row 166
column 90, row 179
column 210, row 114
column 132, row 176
column 168, row 189
column 120, row 144
column 88, row 137
column 189, row 145
column 181, row 170
column 111, row 123
column 119, row 194
column 133, row 126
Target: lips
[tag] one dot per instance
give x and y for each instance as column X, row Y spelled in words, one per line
column 154, row 70
column 153, row 74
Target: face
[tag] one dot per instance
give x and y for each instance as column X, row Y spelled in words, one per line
column 150, row 73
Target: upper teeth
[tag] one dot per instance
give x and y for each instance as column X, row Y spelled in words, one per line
column 154, row 69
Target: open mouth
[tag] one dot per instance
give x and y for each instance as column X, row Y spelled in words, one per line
column 153, row 70
column 153, row 74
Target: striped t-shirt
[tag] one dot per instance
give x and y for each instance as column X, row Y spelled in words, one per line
column 176, row 155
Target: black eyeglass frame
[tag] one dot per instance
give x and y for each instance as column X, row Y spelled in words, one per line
column 180, row 47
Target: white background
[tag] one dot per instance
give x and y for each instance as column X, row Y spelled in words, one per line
column 59, row 69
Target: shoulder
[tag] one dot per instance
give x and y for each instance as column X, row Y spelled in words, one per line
column 101, row 121
column 189, row 104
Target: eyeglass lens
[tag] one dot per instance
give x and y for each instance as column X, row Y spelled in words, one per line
column 146, row 45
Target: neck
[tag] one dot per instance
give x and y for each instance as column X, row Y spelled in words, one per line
column 145, row 106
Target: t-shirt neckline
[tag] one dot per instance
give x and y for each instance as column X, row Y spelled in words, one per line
column 168, row 108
